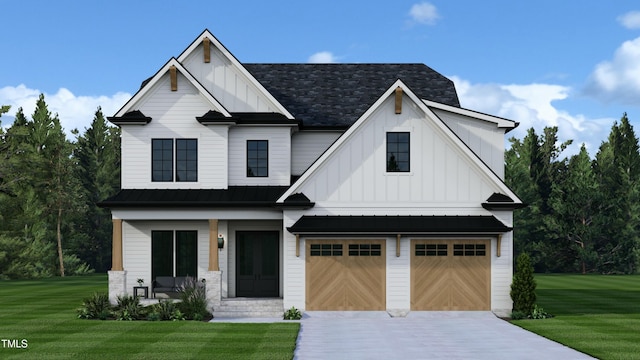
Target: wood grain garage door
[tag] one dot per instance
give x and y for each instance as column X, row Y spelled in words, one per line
column 345, row 275
column 450, row 275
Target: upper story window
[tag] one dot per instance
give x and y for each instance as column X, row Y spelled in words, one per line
column 257, row 158
column 162, row 160
column 398, row 152
column 186, row 160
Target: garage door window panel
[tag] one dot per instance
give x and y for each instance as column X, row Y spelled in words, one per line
column 325, row 250
column 365, row 250
column 469, row 250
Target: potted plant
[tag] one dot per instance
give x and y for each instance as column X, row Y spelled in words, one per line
column 140, row 282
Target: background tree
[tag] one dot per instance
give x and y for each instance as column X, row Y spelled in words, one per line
column 572, row 211
column 617, row 170
column 532, row 167
column 97, row 155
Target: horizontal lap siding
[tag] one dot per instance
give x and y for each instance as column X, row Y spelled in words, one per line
column 293, row 266
column 137, row 247
column 279, row 155
column 502, row 269
column 306, row 147
column 174, row 116
column 398, row 275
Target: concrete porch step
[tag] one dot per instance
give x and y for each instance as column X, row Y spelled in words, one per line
column 249, row 307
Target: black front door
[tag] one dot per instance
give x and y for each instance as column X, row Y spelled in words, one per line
column 257, row 263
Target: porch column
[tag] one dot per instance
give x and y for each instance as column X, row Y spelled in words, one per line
column 117, row 275
column 116, row 251
column 214, row 263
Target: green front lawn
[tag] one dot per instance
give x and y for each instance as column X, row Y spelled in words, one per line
column 596, row 314
column 42, row 312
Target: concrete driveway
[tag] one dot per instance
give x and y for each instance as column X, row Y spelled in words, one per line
column 421, row 335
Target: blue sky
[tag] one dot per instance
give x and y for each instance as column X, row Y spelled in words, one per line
column 570, row 63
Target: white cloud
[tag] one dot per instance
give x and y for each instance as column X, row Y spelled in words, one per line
column 532, row 105
column 322, row 57
column 630, row 20
column 74, row 112
column 424, row 13
column 618, row 80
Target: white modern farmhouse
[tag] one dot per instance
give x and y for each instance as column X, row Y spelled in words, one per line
column 318, row 186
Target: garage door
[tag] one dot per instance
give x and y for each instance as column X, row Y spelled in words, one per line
column 345, row 275
column 450, row 275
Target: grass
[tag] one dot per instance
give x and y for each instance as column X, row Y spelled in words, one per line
column 595, row 314
column 43, row 312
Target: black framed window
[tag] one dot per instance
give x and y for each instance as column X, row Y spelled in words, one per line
column 186, row 160
column 162, row 159
column 174, row 253
column 398, row 145
column 257, row 158
column 161, row 253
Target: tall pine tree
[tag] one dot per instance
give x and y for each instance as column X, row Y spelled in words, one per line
column 617, row 169
column 98, row 166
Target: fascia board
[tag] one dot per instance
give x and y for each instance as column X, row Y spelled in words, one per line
column 500, row 122
column 465, row 148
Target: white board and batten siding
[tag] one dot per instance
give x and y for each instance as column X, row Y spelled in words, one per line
column 173, row 116
column 279, row 139
column 441, row 174
column 353, row 181
column 483, row 137
column 137, row 247
column 226, row 83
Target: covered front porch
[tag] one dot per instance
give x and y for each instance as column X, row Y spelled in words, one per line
column 238, row 260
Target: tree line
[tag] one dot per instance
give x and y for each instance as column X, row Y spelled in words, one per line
column 583, row 214
column 49, row 186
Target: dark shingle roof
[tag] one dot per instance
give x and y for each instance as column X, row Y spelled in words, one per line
column 336, row 95
column 398, row 225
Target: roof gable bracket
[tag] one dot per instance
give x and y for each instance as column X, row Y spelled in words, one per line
column 206, row 43
column 398, row 100
column 173, row 71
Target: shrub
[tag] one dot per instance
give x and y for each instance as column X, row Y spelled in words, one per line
column 194, row 300
column 539, row 313
column 518, row 315
column 129, row 308
column 96, row 306
column 177, row 315
column 523, row 287
column 163, row 310
column 292, row 314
